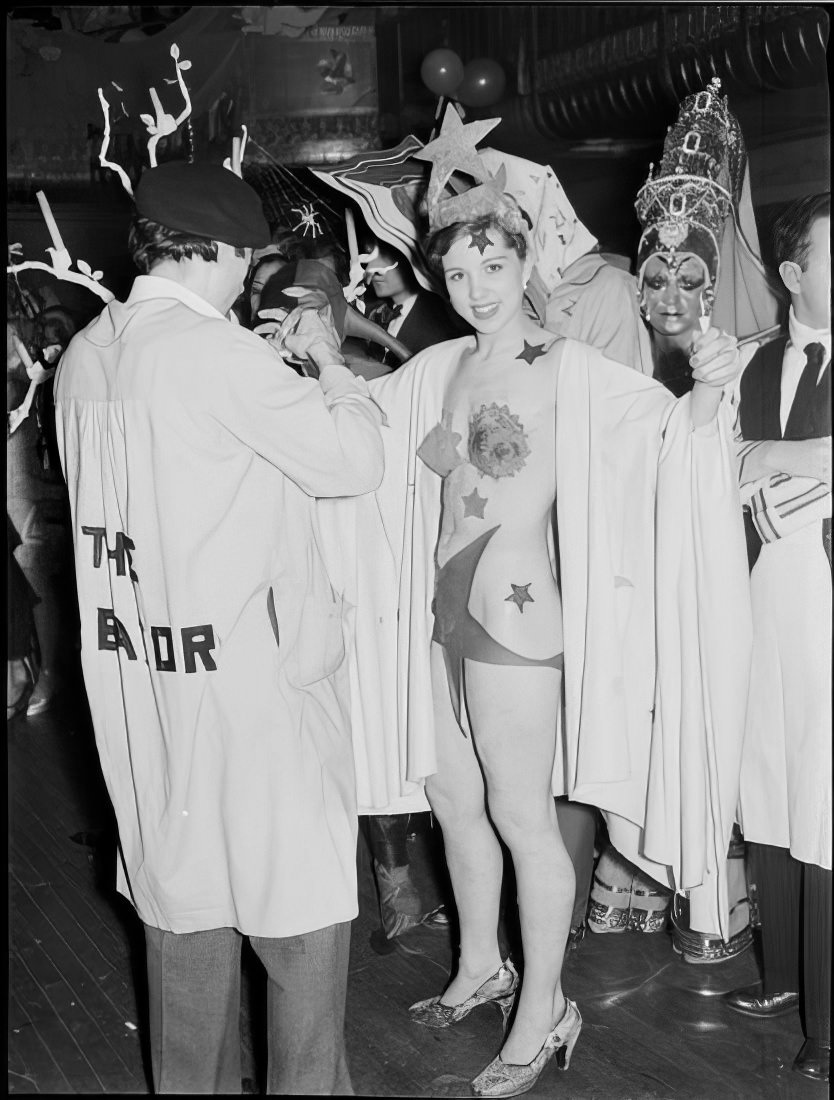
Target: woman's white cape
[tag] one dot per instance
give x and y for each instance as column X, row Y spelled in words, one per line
column 657, row 619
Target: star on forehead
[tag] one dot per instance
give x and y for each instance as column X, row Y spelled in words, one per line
column 474, row 505
column 531, row 352
column 520, row 596
column 479, row 240
column 454, row 147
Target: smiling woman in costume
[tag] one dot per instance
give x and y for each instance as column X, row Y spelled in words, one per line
column 472, row 607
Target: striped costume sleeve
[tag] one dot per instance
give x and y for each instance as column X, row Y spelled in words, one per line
column 781, row 505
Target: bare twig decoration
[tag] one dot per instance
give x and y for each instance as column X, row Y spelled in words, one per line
column 102, row 157
column 164, row 124
column 235, row 163
column 37, row 373
column 61, row 260
column 356, row 275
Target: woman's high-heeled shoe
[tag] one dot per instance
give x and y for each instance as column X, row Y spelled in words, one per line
column 506, row 1079
column 500, row 990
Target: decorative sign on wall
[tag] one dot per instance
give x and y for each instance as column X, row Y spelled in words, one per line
column 313, row 96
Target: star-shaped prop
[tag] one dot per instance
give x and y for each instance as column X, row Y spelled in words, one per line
column 453, row 150
column 520, row 596
column 480, row 241
column 531, row 352
column 469, row 203
column 474, row 505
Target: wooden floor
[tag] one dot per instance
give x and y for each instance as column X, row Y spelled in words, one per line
column 653, row 1026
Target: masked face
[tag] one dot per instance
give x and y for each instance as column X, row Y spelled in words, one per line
column 384, row 275
column 672, row 293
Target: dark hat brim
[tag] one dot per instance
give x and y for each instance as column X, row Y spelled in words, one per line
column 203, row 200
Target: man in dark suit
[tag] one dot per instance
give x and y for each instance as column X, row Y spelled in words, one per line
column 417, row 317
column 785, row 792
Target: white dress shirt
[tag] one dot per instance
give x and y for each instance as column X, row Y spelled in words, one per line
column 397, row 323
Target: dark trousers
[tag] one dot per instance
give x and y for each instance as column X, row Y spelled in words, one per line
column 194, row 1001
column 795, row 910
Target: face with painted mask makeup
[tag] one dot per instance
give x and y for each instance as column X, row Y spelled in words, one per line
column 675, row 296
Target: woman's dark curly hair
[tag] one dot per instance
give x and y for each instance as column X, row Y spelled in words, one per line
column 149, row 242
column 439, row 242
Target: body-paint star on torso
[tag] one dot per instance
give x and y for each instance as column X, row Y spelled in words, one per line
column 531, row 352
column 474, row 504
column 520, row 596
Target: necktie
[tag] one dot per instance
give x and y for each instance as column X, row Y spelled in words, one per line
column 813, row 361
column 810, row 415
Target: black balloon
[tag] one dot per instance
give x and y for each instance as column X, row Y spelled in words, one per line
column 442, row 71
column 483, row 83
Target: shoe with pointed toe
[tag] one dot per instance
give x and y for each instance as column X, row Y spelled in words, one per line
column 751, row 1001
column 507, row 1079
column 814, row 1059
column 44, row 695
column 499, row 989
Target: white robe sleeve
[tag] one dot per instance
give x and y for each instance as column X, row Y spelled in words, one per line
column 323, row 435
column 657, row 622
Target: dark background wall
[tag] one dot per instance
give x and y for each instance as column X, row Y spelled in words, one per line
column 590, row 89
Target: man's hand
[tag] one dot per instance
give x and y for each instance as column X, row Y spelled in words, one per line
column 309, row 336
column 715, row 359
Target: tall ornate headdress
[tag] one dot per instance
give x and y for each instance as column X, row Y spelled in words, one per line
column 684, row 206
column 699, row 202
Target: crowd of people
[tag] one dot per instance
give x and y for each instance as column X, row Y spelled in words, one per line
column 546, row 556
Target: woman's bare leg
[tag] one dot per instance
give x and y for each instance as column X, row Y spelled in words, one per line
column 473, row 854
column 514, row 710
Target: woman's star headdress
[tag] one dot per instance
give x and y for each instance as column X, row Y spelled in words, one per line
column 452, row 154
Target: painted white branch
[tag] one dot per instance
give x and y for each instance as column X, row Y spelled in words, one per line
column 117, row 168
column 165, row 123
column 235, row 162
column 157, row 129
column 175, row 53
column 18, row 415
column 66, row 276
column 356, row 280
column 51, row 224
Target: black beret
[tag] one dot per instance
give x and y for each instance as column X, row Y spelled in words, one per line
column 204, row 200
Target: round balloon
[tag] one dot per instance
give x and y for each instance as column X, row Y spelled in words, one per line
column 442, row 71
column 483, row 83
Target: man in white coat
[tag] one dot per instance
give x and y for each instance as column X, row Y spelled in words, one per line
column 212, row 634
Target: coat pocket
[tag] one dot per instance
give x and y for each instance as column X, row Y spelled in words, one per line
column 320, row 645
